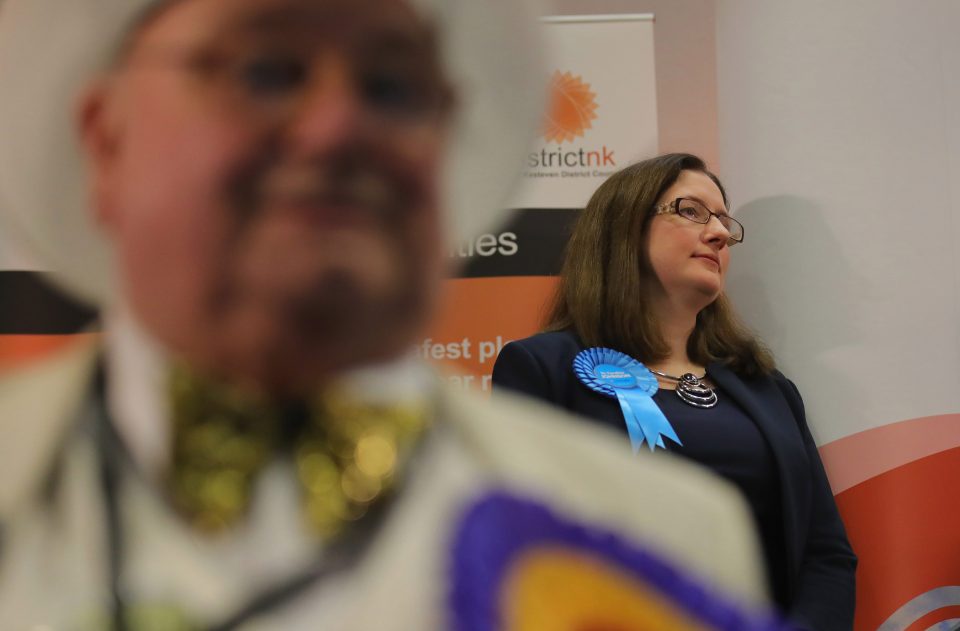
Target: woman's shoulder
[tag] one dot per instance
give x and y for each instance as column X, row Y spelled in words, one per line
column 550, row 342
column 539, row 365
column 765, row 384
column 751, row 378
column 784, row 383
column 548, row 351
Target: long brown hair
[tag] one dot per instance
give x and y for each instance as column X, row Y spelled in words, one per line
column 606, row 276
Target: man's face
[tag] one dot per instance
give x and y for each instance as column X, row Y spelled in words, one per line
column 268, row 171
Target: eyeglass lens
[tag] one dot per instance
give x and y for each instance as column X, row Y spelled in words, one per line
column 695, row 211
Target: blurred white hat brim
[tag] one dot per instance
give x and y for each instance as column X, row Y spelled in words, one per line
column 50, row 49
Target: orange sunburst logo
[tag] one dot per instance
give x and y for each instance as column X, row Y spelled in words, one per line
column 572, row 108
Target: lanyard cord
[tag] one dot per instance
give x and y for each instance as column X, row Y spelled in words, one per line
column 341, row 554
column 108, row 450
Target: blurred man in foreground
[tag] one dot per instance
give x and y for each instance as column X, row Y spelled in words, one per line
column 250, row 448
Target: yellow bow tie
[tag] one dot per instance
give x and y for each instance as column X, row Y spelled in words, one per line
column 346, row 453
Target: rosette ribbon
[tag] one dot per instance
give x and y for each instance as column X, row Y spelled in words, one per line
column 615, row 374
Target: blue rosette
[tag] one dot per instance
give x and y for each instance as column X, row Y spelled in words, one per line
column 617, row 375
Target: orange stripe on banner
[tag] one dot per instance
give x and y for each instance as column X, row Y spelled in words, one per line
column 20, row 350
column 477, row 317
column 939, row 615
column 858, row 457
column 903, row 526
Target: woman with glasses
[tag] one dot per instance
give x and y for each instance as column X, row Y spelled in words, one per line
column 642, row 338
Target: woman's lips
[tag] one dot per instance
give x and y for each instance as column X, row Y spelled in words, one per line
column 708, row 257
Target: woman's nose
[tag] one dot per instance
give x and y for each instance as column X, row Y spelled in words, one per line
column 715, row 231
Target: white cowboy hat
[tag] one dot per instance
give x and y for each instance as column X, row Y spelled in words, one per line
column 49, row 49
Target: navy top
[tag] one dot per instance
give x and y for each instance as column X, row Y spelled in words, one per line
column 726, row 441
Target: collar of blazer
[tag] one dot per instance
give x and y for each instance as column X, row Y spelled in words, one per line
column 765, row 403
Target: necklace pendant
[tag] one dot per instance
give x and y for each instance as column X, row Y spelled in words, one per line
column 693, row 392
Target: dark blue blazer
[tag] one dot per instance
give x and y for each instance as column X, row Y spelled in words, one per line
column 821, row 565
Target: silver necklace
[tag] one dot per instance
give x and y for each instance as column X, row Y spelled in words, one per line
column 691, row 389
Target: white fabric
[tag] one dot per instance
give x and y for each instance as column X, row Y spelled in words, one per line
column 52, row 570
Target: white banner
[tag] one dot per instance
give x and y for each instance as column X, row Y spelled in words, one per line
column 840, row 145
column 603, row 112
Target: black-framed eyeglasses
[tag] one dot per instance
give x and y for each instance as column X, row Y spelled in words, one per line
column 696, row 212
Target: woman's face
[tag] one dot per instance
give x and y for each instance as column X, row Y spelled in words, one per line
column 690, row 260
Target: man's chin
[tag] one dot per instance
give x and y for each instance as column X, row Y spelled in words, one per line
column 299, row 349
column 300, row 367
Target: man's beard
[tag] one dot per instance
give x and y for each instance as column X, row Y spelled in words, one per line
column 323, row 268
column 361, row 298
